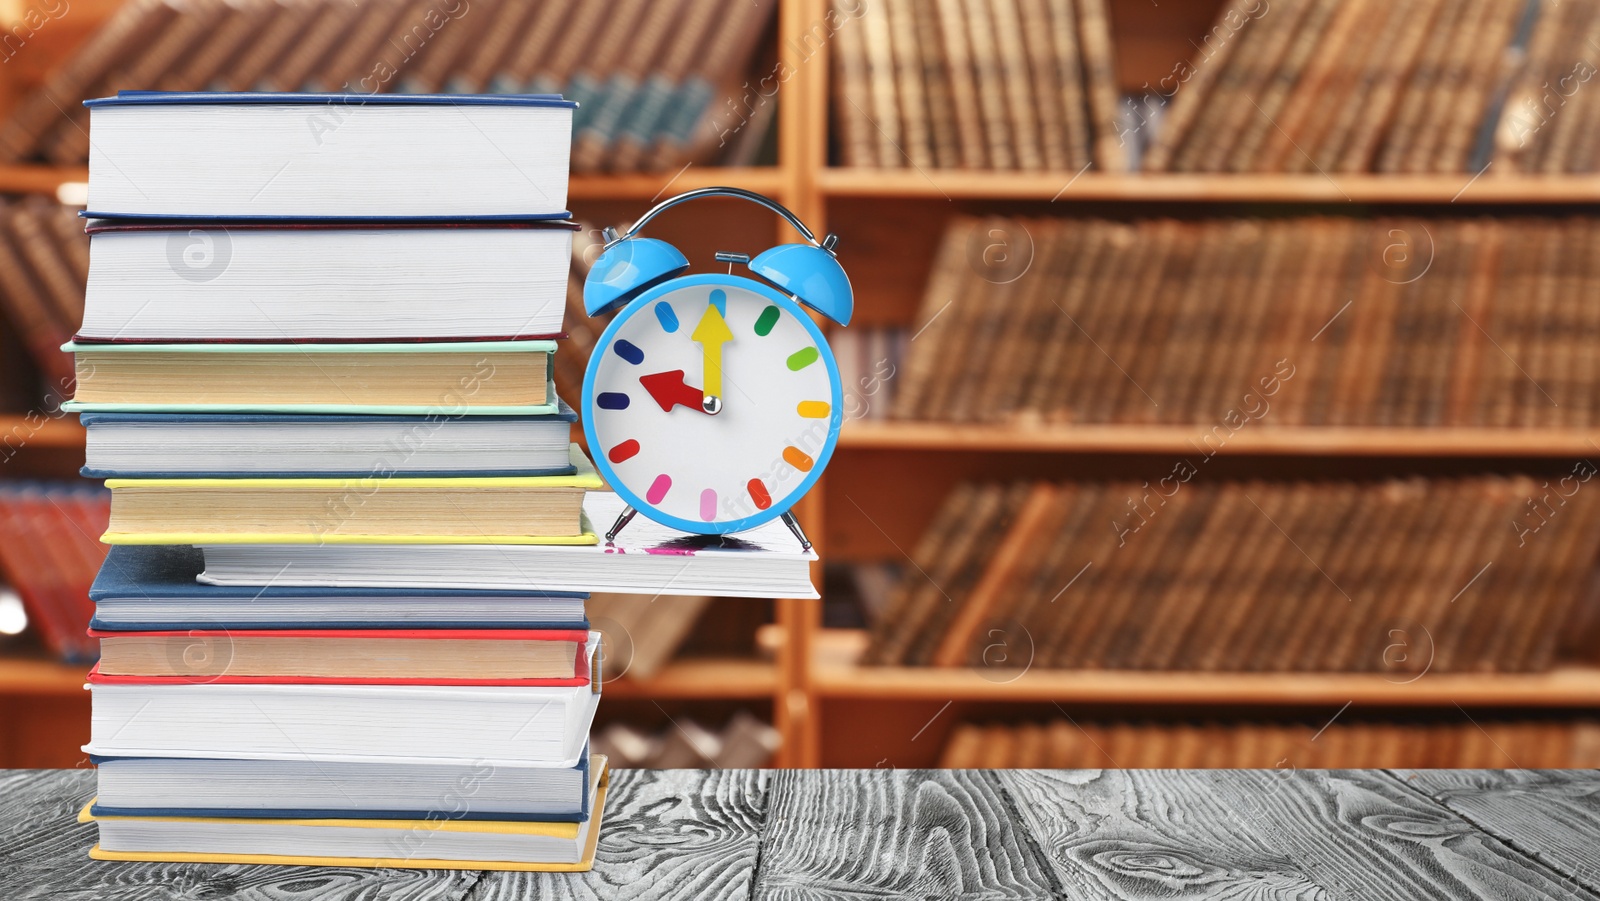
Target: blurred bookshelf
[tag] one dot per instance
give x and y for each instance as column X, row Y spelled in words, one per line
column 1164, row 187
column 1156, row 439
column 41, row 676
column 22, row 431
column 728, row 678
column 839, row 674
column 830, row 708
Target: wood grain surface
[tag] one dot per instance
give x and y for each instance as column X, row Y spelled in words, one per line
column 969, row 834
column 1550, row 815
column 666, row 834
column 897, row 834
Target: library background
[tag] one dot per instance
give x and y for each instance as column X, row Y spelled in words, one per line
column 1222, row 388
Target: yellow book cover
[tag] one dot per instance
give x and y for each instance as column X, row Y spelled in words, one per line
column 352, row 498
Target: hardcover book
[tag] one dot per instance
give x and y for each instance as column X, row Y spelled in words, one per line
column 765, row 562
column 212, row 787
column 229, row 445
column 352, row 656
column 394, row 510
column 153, row 587
column 170, row 282
column 488, row 724
column 488, row 377
column 276, row 156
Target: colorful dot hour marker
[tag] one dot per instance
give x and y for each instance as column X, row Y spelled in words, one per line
column 623, row 451
column 802, row 358
column 767, row 319
column 668, row 318
column 813, row 409
column 658, row 489
column 708, row 504
column 719, row 299
column 797, row 458
column 758, row 493
column 612, row 400
column 628, row 351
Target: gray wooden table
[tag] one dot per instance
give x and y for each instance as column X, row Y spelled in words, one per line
column 995, row 834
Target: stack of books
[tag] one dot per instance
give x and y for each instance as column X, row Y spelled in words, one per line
column 321, row 323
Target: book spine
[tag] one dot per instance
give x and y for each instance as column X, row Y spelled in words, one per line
column 958, row 59
column 1284, row 78
column 908, row 73
column 937, row 90
column 1094, row 29
column 852, row 96
column 886, row 114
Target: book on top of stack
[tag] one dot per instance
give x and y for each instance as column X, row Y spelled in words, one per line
column 315, row 320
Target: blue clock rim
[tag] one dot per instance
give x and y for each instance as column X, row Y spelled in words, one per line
column 698, row 527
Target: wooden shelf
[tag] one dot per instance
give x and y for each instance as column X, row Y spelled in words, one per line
column 651, row 185
column 1159, row 439
column 836, row 675
column 18, row 432
column 701, row 679
column 944, row 184
column 40, row 676
column 1564, row 687
column 21, row 178
column 712, row 679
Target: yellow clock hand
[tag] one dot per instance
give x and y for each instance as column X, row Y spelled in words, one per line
column 711, row 334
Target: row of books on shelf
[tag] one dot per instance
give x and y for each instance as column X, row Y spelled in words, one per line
column 1348, row 740
column 1307, row 86
column 1230, row 324
column 349, row 533
column 1487, row 573
column 1320, row 86
column 661, row 84
column 44, row 263
column 1295, row 86
column 1007, row 84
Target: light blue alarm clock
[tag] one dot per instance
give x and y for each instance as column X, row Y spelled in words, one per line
column 712, row 401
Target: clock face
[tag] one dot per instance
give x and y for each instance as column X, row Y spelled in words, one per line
column 712, row 403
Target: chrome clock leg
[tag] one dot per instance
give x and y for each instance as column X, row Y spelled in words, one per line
column 794, row 526
column 622, row 521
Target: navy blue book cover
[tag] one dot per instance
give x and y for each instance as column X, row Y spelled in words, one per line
column 138, row 572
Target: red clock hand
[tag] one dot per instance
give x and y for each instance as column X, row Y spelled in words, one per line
column 669, row 390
